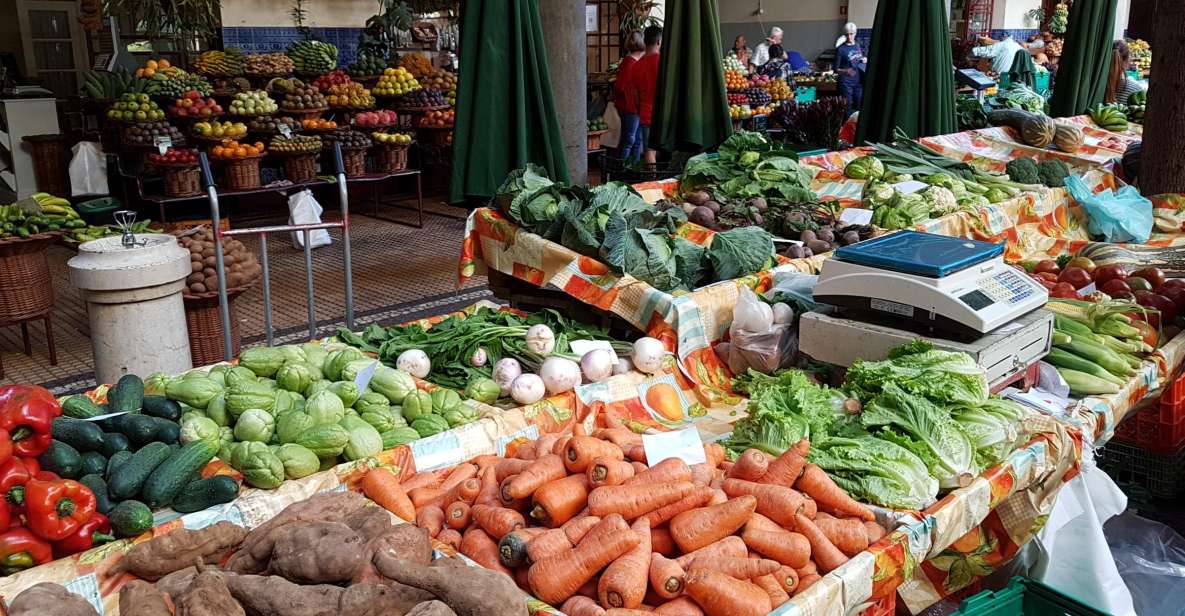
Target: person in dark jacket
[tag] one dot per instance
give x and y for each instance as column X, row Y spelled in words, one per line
column 850, row 64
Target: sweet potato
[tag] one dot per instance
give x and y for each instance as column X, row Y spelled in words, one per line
column 256, row 549
column 160, row 556
column 370, row 522
column 274, row 596
column 206, row 596
column 380, row 599
column 406, row 542
column 431, row 608
column 49, row 598
column 140, row 598
column 316, row 553
column 175, row 583
column 476, row 592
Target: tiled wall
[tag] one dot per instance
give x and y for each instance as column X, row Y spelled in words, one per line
column 269, row 39
column 864, row 35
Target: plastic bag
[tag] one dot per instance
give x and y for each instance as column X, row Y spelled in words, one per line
column 1151, row 559
column 1122, row 216
column 88, row 170
column 303, row 209
column 796, row 289
column 755, row 341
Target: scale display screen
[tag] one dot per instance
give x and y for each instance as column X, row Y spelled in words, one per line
column 977, row 300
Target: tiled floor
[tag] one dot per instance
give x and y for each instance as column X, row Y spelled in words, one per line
column 400, row 273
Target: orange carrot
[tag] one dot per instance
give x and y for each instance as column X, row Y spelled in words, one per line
column 682, row 606
column 426, row 479
column 548, row 544
column 581, row 451
column 635, row 500
column 505, row 500
column 527, row 451
column 874, row 532
column 547, row 468
column 450, row 537
column 729, row 546
column 787, row 578
column 698, row 497
column 805, row 582
column 482, row 549
column 815, row 483
column 661, row 542
column 587, row 589
column 636, row 453
column 609, row 472
column 497, row 521
column 722, row 595
column 423, row 497
column 846, row 534
column 701, row 474
column 558, row 447
column 715, row 454
column 718, row 496
column 460, row 473
column 430, row 518
column 623, row 584
column 520, row 579
column 750, row 466
column 777, row 595
column 581, row 606
column 622, row 437
column 512, row 548
column 666, row 576
column 381, row 486
column 546, row 443
column 639, row 467
column 807, row 570
column 466, row 491
column 485, row 461
column 457, row 515
column 579, row 526
column 488, row 493
column 578, row 428
column 558, row 577
column 671, row 469
column 510, row 466
column 558, row 501
column 697, row 528
column 784, row 471
column 625, row 611
column 826, row 556
column 783, row 546
column 725, row 466
column 760, row 522
column 739, row 568
column 775, row 502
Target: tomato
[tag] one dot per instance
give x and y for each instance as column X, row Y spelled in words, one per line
column 1167, row 309
column 1148, row 333
column 1075, row 276
column 1114, row 286
column 1173, row 282
column 1109, row 272
column 1047, row 284
column 1050, row 276
column 1082, row 262
column 1153, row 275
column 1048, row 265
column 1138, row 284
column 1174, row 293
column 1063, row 290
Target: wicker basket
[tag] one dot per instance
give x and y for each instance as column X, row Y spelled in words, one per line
column 26, row 289
column 354, row 161
column 434, row 135
column 388, row 159
column 594, row 139
column 182, row 181
column 300, row 167
column 205, row 328
column 243, row 173
column 49, row 163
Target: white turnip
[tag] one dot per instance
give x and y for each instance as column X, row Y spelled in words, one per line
column 479, row 358
column 540, row 339
column 597, row 365
column 559, row 374
column 505, row 371
column 527, row 389
column 648, row 355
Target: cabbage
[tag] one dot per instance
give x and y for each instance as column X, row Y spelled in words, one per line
column 917, row 424
column 879, row 194
column 876, row 471
column 865, row 168
column 996, row 195
column 973, row 203
column 944, row 180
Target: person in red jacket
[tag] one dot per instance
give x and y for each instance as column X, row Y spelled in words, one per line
column 644, row 77
column 625, row 99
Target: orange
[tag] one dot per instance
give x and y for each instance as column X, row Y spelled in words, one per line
column 259, row 146
column 163, row 63
column 148, row 72
column 241, row 152
column 217, row 151
column 151, row 64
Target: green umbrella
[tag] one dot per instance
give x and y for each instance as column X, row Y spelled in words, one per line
column 1086, row 55
column 505, row 111
column 910, row 80
column 690, row 106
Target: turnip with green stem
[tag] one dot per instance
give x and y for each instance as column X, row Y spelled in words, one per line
column 527, row 389
column 559, row 374
column 540, row 339
column 597, row 365
column 414, row 362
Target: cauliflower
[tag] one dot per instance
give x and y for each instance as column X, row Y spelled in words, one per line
column 879, row 194
column 944, row 180
column 941, row 200
column 894, row 178
column 865, row 168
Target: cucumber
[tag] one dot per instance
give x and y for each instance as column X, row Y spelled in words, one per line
column 167, row 479
column 61, row 459
column 127, row 395
column 167, row 431
column 140, row 429
column 130, row 518
column 160, row 406
column 93, row 463
column 103, row 502
column 81, row 407
column 131, row 475
column 113, row 443
column 79, row 434
column 205, row 493
column 115, row 461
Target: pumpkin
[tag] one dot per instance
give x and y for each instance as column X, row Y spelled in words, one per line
column 1035, row 129
column 1067, row 137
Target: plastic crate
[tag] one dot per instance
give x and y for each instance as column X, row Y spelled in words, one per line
column 1042, row 82
column 804, row 94
column 98, row 211
column 1163, row 476
column 1160, row 428
column 1025, row 597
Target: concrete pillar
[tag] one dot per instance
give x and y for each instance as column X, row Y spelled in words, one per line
column 567, row 65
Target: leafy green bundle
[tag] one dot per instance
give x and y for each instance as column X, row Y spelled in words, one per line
column 748, row 165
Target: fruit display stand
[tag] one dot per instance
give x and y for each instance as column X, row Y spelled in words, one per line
column 242, row 173
column 26, row 292
column 298, row 166
column 390, row 158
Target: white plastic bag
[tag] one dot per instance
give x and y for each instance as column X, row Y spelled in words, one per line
column 755, row 340
column 88, row 170
column 303, row 209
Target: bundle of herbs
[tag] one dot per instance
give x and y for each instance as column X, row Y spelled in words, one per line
column 812, row 125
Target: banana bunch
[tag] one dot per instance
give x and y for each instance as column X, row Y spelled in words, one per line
column 313, row 56
column 47, row 213
column 1110, row 117
column 104, row 85
column 86, row 233
column 176, row 84
column 216, row 63
column 1136, row 105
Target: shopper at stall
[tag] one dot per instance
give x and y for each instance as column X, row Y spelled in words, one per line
column 1120, row 86
column 761, row 54
column 625, row 99
column 644, row 78
column 1000, row 53
column 740, row 50
column 850, row 65
column 777, row 67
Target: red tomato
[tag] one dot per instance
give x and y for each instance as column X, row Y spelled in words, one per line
column 1075, row 276
column 1108, row 272
column 1048, row 265
column 1167, row 309
column 1174, row 293
column 1047, row 284
column 1138, row 284
column 1063, row 290
column 1082, row 262
column 1115, row 286
column 1174, row 282
column 1153, row 275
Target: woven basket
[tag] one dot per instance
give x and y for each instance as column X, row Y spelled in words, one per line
column 49, row 163
column 300, row 167
column 434, row 135
column 243, row 173
column 182, row 181
column 388, row 159
column 26, row 289
column 205, row 328
column 354, row 162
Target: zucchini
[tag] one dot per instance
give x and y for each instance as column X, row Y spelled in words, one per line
column 132, row 474
column 93, row 463
column 205, row 493
column 113, row 443
column 140, row 429
column 79, row 434
column 61, row 459
column 130, row 518
column 81, row 407
column 115, row 461
column 160, row 406
column 127, row 395
column 103, row 502
column 167, row 479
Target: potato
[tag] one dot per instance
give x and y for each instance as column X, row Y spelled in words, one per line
column 197, row 287
column 209, row 271
column 210, row 261
column 195, row 266
column 211, row 283
column 194, row 277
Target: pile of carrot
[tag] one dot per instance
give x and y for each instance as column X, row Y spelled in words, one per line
column 582, row 522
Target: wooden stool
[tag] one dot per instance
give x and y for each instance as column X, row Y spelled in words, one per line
column 47, row 320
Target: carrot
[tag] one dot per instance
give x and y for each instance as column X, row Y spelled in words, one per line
column 477, row 545
column 520, row 579
column 661, row 541
column 457, row 516
column 826, row 556
column 671, row 469
column 450, row 537
column 815, row 483
column 581, row 451
column 546, row 443
column 625, row 611
column 787, row 578
column 783, row 546
column 485, row 461
column 512, row 548
column 784, row 471
column 609, row 472
column 581, row 606
column 847, row 534
column 750, row 466
column 579, row 526
column 635, row 500
column 510, row 466
column 623, row 584
column 460, row 473
column 548, row 544
column 423, row 497
column 777, row 594
column 666, row 576
column 381, row 486
column 558, row 577
column 697, row 528
column 682, row 606
column 622, row 437
column 714, row 453
column 465, row 492
column 760, row 522
column 497, row 521
column 807, row 570
column 739, row 568
column 430, row 518
column 701, row 474
column 718, row 496
column 426, row 479
column 587, row 589
column 698, row 497
column 578, row 429
column 777, row 503
column 805, row 582
column 639, row 467
column 505, row 500
column 721, row 595
column 636, row 453
column 725, row 466
column 874, row 532
column 527, row 451
column 558, row 447
column 558, row 501
column 729, row 546
column 547, row 468
column 488, row 493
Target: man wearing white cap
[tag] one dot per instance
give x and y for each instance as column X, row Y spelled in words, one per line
column 761, row 54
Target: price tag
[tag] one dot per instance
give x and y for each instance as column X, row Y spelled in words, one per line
column 580, row 347
column 284, row 130
column 855, row 216
column 684, row 444
column 910, row 186
column 362, row 379
column 162, row 142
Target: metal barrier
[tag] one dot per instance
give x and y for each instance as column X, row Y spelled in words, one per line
column 262, row 232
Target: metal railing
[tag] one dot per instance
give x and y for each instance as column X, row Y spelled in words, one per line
column 263, row 232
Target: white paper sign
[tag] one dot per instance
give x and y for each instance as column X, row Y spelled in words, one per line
column 580, row 347
column 162, row 142
column 284, row 130
column 910, row 187
column 362, row 379
column 684, row 444
column 855, row 216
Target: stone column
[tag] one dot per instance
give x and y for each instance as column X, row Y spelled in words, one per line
column 567, row 64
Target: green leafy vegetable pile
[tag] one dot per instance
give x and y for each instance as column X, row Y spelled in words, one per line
column 749, row 165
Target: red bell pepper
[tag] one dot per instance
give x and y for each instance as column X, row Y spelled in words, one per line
column 21, row 549
column 57, row 508
column 95, row 531
column 14, row 474
column 27, row 413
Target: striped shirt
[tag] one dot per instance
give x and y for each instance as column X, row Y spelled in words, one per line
column 1126, row 88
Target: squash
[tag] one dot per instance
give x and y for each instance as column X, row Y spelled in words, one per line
column 1035, row 129
column 1136, row 256
column 1067, row 137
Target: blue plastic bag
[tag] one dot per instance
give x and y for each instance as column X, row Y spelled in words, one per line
column 1122, row 216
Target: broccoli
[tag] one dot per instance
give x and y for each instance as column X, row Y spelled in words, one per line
column 1023, row 170
column 1053, row 173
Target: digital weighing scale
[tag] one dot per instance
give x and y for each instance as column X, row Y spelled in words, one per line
column 945, row 286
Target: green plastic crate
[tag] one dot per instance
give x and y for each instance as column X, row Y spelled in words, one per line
column 98, row 211
column 804, row 94
column 1024, row 597
column 1042, row 82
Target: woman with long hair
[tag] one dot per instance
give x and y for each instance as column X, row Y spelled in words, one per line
column 1120, row 86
